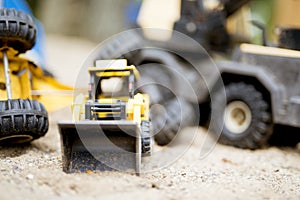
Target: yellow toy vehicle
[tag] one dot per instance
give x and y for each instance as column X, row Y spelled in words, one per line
column 22, row 117
column 110, row 128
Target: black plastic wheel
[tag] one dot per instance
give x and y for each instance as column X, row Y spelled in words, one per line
column 124, row 45
column 17, row 30
column 22, row 121
column 179, row 114
column 147, row 138
column 246, row 117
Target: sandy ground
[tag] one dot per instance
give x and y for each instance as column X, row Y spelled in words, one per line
column 35, row 171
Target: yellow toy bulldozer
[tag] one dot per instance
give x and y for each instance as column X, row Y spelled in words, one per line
column 110, row 128
column 22, row 117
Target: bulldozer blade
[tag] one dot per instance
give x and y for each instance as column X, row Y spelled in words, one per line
column 100, row 146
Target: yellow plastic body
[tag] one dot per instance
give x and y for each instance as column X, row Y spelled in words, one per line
column 51, row 93
column 137, row 107
column 111, row 71
column 21, row 73
column 28, row 82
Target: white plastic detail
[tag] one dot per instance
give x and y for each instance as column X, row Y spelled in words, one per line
column 237, row 117
column 112, row 85
column 116, row 63
column 158, row 14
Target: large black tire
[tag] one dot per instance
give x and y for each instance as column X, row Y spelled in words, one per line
column 179, row 114
column 17, row 30
column 168, row 111
column 147, row 138
column 125, row 45
column 22, row 121
column 247, row 120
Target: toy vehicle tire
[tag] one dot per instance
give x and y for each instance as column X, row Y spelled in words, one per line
column 21, row 121
column 147, row 139
column 17, row 30
column 257, row 131
column 179, row 114
column 123, row 45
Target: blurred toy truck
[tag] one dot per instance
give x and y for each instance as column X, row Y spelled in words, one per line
column 259, row 82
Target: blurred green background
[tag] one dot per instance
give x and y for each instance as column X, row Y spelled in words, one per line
column 92, row 19
column 96, row 20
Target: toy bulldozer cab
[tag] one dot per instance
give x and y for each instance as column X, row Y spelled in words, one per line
column 111, row 130
column 111, row 93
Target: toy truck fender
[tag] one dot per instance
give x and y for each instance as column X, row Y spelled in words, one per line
column 236, row 72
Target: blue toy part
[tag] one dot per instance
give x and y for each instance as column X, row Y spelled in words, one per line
column 132, row 12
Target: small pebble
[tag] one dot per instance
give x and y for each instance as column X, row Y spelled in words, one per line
column 8, row 161
column 30, row 176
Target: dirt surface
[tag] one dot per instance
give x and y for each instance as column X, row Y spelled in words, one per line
column 35, row 171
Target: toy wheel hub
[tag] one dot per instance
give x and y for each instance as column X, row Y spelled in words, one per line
column 16, row 139
column 237, row 117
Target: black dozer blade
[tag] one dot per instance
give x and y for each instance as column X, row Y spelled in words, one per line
column 100, row 146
